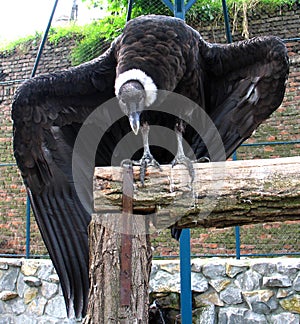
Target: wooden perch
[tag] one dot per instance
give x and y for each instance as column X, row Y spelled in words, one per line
column 222, row 194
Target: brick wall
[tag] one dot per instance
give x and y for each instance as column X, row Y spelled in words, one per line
column 282, row 126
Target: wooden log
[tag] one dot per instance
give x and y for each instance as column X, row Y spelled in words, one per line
column 222, row 194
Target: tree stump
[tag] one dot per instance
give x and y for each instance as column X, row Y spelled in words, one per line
column 223, row 194
column 120, row 264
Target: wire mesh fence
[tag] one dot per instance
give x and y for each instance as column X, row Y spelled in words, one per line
column 279, row 137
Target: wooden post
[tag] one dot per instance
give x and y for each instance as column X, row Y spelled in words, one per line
column 120, row 264
column 223, row 194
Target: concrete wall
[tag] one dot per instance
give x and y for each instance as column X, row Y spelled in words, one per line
column 224, row 291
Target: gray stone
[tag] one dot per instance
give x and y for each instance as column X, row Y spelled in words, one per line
column 285, row 318
column 207, row 315
column 288, row 268
column 45, row 270
column 231, row 295
column 259, row 300
column 196, row 267
column 49, row 289
column 233, row 270
column 250, row 280
column 21, row 286
column 7, row 319
column 3, row 266
column 232, row 315
column 264, row 268
column 199, row 282
column 32, row 281
column 56, row 307
column 214, row 270
column 24, row 318
column 296, row 283
column 165, row 281
column 17, row 306
column 284, row 292
column 253, row 318
column 54, row 278
column 8, row 278
column 219, row 284
column 37, row 306
column 277, row 280
column 208, row 298
column 2, row 307
column 11, row 262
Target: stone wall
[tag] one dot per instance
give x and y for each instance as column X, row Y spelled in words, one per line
column 224, row 291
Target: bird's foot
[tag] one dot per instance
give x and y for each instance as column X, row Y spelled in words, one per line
column 182, row 159
column 146, row 161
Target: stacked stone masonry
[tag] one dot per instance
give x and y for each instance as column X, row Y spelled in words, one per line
column 224, row 291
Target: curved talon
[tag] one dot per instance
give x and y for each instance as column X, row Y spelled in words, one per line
column 203, row 159
column 187, row 162
column 146, row 161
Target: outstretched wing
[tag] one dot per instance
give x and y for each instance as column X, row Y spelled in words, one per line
column 243, row 83
column 47, row 113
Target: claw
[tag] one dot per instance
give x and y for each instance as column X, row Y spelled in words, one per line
column 187, row 162
column 146, row 161
column 203, row 159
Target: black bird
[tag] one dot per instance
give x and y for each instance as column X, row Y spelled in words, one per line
column 238, row 86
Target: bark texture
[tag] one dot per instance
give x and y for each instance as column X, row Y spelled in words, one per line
column 105, row 275
column 222, row 194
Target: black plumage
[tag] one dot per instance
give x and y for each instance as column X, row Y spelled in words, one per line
column 237, row 85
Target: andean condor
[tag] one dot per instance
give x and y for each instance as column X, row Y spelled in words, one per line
column 237, row 85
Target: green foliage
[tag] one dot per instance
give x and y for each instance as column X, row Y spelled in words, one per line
column 209, row 10
column 20, row 43
column 96, row 37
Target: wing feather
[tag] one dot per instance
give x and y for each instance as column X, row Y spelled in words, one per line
column 47, row 112
column 244, row 83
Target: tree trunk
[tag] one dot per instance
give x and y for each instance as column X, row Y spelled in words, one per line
column 222, row 194
column 105, row 276
column 120, row 263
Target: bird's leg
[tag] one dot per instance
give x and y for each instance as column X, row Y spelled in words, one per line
column 180, row 157
column 147, row 158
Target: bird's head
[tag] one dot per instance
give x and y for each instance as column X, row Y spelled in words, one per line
column 135, row 91
column 131, row 99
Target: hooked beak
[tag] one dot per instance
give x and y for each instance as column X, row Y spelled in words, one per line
column 134, row 120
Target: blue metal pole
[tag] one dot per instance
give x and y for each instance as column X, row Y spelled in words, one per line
column 226, row 19
column 36, row 63
column 37, row 60
column 234, row 156
column 179, row 9
column 185, row 277
column 185, row 238
column 27, row 228
column 237, row 228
